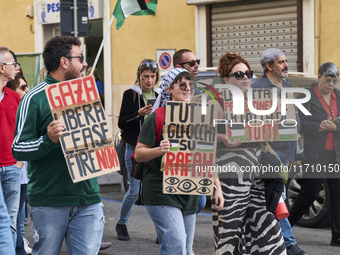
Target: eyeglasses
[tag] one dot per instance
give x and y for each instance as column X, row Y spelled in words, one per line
column 81, row 58
column 239, row 75
column 192, row 62
column 23, row 87
column 147, row 64
column 329, row 80
column 182, row 86
column 16, row 64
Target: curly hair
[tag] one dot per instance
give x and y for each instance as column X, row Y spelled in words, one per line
column 227, row 63
column 57, row 47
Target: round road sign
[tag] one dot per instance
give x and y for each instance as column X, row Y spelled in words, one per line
column 165, row 60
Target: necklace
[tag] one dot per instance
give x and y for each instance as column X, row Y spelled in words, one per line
column 328, row 101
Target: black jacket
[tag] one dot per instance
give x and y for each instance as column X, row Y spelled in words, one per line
column 315, row 141
column 129, row 121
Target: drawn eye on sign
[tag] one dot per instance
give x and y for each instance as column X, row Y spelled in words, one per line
column 172, row 180
column 170, row 189
column 203, row 190
column 205, row 182
column 187, row 186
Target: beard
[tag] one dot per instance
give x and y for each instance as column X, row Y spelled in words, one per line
column 72, row 74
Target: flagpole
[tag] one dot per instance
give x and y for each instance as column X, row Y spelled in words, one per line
column 101, row 46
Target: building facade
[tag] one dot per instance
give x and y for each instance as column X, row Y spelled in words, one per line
column 304, row 29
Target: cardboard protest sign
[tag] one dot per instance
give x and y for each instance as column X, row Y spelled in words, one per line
column 251, row 127
column 193, row 149
column 86, row 140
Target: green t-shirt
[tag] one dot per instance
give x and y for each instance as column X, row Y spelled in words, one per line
column 152, row 188
column 147, row 95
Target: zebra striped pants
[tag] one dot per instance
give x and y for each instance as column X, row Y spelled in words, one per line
column 243, row 225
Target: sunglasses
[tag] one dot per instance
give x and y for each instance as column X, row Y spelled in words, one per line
column 182, row 86
column 239, row 75
column 81, row 58
column 12, row 63
column 192, row 62
column 23, row 87
column 147, row 64
column 329, row 80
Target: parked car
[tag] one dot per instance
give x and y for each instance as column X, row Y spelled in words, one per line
column 318, row 214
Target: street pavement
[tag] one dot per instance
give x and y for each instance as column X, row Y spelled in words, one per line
column 143, row 234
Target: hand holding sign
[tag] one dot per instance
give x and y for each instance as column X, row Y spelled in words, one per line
column 165, row 146
column 55, row 130
column 223, row 138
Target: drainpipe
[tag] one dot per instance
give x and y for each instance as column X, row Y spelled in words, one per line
column 317, row 34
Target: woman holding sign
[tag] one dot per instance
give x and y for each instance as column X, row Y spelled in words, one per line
column 243, row 225
column 135, row 108
column 173, row 215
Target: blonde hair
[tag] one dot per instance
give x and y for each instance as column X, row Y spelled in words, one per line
column 140, row 70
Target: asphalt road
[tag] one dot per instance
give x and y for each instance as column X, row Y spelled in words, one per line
column 143, row 234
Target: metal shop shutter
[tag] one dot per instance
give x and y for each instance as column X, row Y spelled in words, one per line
column 249, row 28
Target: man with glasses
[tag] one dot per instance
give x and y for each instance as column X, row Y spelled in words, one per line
column 275, row 67
column 10, row 168
column 186, row 59
column 59, row 208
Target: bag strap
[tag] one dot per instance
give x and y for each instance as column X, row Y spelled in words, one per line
column 134, row 98
column 159, row 119
column 262, row 147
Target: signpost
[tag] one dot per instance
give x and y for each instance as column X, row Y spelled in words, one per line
column 164, row 59
column 74, row 20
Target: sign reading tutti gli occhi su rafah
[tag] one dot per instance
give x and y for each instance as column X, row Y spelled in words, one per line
column 193, row 147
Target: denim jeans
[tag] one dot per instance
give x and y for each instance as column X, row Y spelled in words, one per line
column 201, row 203
column 20, row 246
column 11, row 181
column 175, row 230
column 22, row 209
column 6, row 241
column 132, row 194
column 285, row 225
column 82, row 227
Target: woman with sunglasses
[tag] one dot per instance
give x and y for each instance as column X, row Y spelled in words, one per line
column 243, row 225
column 19, row 85
column 173, row 216
column 133, row 111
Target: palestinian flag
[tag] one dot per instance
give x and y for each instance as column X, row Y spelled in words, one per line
column 205, row 147
column 125, row 8
column 174, row 144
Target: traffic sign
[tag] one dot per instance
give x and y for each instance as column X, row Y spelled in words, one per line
column 164, row 59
